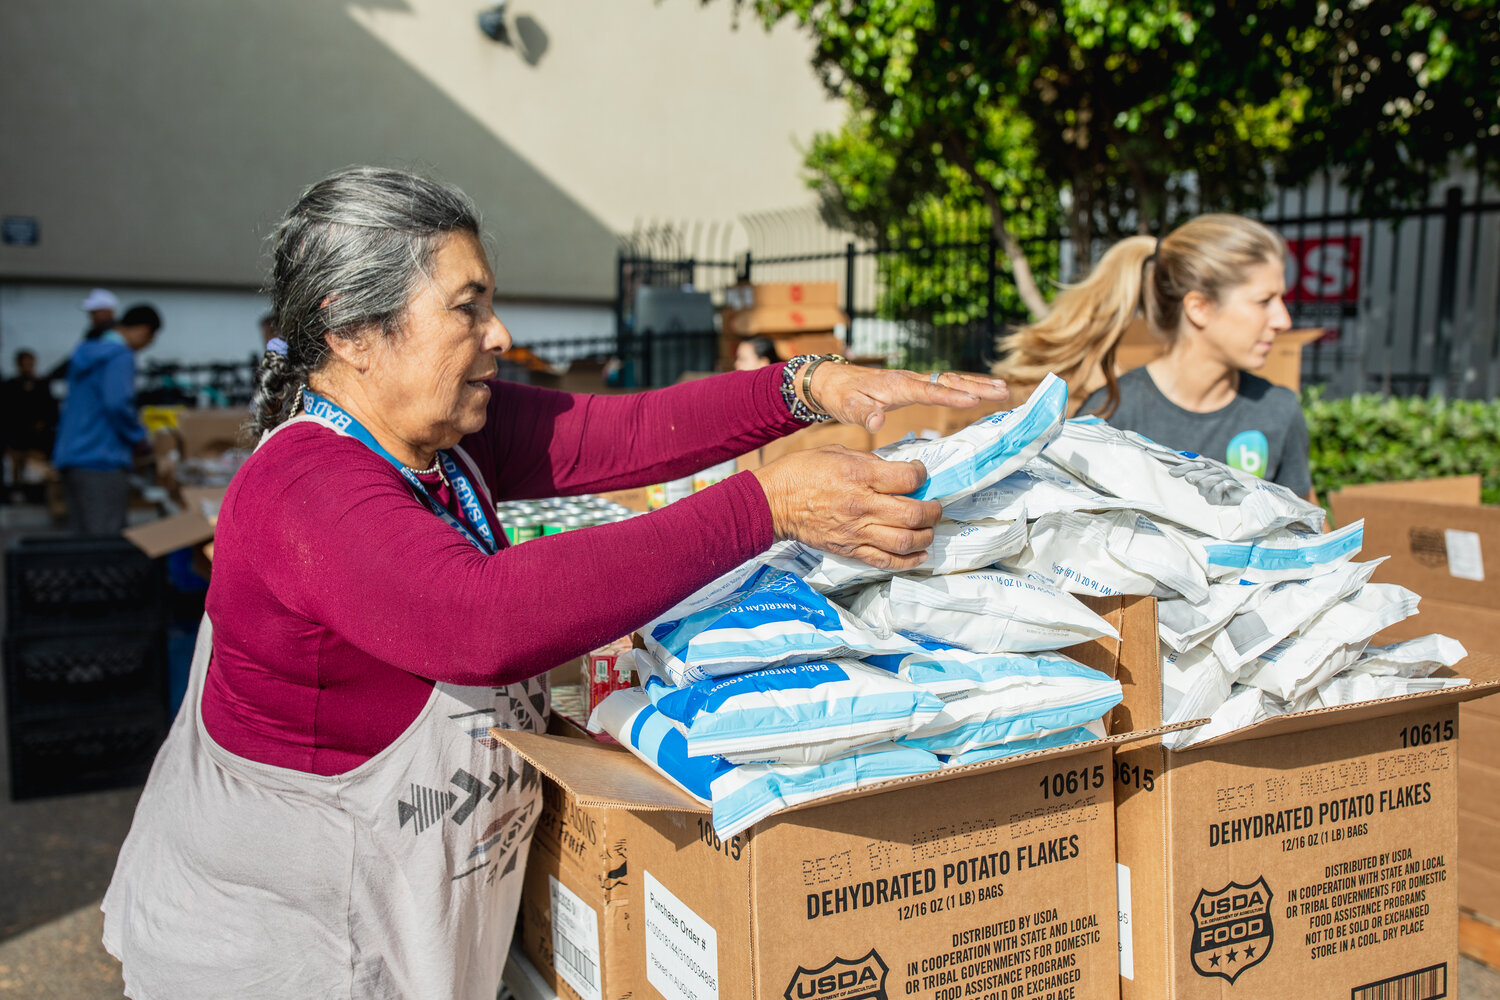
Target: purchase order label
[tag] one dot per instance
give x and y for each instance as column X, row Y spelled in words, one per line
column 682, row 950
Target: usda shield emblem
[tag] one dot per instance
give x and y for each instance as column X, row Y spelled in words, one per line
column 1231, row 929
column 841, row 979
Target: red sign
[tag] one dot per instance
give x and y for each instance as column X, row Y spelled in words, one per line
column 1323, row 270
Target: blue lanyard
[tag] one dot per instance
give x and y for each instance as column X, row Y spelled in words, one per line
column 468, row 497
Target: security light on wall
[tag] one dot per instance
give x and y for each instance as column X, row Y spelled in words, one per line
column 492, row 23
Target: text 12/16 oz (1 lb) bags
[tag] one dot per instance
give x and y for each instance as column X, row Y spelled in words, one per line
column 742, row 794
column 769, row 619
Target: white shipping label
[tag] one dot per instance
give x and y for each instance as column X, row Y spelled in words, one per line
column 575, row 941
column 1127, row 941
column 682, row 950
column 1465, row 560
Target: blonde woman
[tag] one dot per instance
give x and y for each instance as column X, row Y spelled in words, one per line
column 1213, row 290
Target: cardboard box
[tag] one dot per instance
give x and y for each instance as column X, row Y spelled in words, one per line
column 206, row 433
column 992, row 880
column 1443, row 545
column 1441, row 542
column 1138, row 345
column 771, row 321
column 193, row 525
column 577, row 898
column 1309, row 855
column 780, row 309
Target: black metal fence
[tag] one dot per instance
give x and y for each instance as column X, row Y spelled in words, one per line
column 1410, row 300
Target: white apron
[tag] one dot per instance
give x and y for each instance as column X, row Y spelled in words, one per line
column 398, row 879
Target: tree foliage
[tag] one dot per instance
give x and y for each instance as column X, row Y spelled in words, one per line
column 1128, row 114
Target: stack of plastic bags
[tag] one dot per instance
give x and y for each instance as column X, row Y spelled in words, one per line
column 760, row 692
column 1282, row 618
column 803, row 674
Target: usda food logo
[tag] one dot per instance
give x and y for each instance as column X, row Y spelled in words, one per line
column 1249, row 451
column 841, row 979
column 1231, row 929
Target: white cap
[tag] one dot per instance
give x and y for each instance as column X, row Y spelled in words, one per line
column 99, row 298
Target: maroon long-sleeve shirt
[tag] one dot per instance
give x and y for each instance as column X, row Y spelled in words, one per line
column 338, row 597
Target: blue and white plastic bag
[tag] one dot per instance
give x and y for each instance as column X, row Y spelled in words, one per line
column 989, row 449
column 1066, row 738
column 1038, row 489
column 767, row 619
column 1278, row 610
column 1117, row 552
column 988, row 611
column 1000, row 698
column 1330, row 643
column 957, row 546
column 742, row 794
column 797, row 714
column 1283, row 554
column 1188, row 489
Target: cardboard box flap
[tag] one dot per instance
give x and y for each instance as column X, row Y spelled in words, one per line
column 1444, row 489
column 603, row 778
column 169, row 534
column 1003, row 764
column 1483, row 669
column 597, row 776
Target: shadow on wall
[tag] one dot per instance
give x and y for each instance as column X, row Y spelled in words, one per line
column 247, row 105
column 533, row 39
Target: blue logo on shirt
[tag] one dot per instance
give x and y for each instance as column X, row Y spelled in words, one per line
column 1249, row 451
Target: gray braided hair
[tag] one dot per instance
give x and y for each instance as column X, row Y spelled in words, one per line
column 349, row 256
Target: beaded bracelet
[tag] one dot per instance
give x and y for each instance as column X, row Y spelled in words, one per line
column 798, row 409
column 809, row 412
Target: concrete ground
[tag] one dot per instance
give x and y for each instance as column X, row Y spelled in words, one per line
column 57, row 855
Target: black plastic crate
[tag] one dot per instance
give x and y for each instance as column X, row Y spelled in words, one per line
column 85, row 753
column 81, row 671
column 60, row 583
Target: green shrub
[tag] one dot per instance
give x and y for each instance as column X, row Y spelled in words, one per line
column 1371, row 439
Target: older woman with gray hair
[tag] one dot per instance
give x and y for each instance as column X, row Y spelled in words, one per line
column 329, row 815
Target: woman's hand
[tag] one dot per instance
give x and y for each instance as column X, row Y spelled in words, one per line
column 854, row 394
column 850, row 503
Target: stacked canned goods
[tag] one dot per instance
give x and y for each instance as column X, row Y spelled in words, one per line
column 524, row 520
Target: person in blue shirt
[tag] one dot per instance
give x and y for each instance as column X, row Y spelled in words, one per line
column 100, row 430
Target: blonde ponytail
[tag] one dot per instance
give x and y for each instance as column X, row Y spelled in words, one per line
column 1076, row 340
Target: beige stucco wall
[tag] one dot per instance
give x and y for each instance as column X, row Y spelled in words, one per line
column 158, row 140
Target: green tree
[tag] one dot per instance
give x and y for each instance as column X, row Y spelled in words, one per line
column 1129, row 112
column 940, row 284
column 1407, row 88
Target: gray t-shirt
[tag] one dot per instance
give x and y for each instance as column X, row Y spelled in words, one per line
column 1262, row 431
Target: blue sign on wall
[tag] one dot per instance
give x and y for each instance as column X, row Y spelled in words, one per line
column 20, row 231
